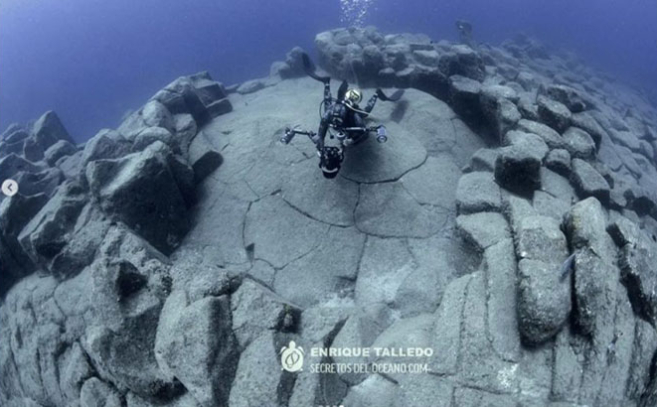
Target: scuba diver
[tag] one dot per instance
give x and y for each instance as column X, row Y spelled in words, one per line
column 464, row 29
column 343, row 119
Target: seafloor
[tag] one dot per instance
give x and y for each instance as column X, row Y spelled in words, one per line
column 167, row 262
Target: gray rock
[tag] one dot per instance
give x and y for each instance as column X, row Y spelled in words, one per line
column 45, row 181
column 219, row 107
column 156, row 208
column 483, row 229
column 558, row 160
column 499, row 109
column 625, row 138
column 375, row 391
column 588, row 182
column 637, row 253
column 554, row 114
column 387, row 209
column 251, row 86
column 549, row 136
column 464, row 95
column 149, row 135
column 96, row 393
column 12, row 164
column 329, row 273
column 543, row 300
column 195, row 344
column 48, row 129
column 329, row 201
column 180, row 96
column 58, row 150
column 280, row 234
column 155, row 114
column 478, row 192
column 258, row 375
column 255, row 309
column 447, row 330
column 588, row 123
column 107, row 144
column 540, row 238
column 500, row 272
column 128, row 284
column 528, row 141
column 570, row 97
column 208, row 90
column 483, row 160
column 517, row 168
column 46, row 235
column 579, row 143
column 15, row 213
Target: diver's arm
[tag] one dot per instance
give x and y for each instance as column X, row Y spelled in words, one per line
column 370, row 104
column 327, row 91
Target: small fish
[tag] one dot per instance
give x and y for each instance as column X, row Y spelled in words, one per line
column 567, row 266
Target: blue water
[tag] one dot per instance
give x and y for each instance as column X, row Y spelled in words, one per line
column 92, row 60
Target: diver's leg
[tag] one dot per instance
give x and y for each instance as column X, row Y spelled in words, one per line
column 321, row 132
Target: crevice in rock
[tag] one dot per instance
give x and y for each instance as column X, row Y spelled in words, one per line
column 311, row 217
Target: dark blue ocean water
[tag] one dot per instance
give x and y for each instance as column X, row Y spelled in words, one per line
column 92, row 60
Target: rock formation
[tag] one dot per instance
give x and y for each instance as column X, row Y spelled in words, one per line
column 508, row 224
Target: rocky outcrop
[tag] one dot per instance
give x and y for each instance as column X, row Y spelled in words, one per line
column 509, row 226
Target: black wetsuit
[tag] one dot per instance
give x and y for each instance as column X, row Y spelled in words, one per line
column 341, row 116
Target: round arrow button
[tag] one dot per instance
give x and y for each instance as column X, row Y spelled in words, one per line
column 9, row 187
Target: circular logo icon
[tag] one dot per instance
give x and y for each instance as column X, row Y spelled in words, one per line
column 9, row 187
column 292, row 357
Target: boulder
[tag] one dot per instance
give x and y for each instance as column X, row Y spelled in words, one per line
column 570, row 97
column 586, row 122
column 106, row 144
column 129, row 281
column 579, row 143
column 12, row 164
column 45, row 181
column 50, row 230
column 637, row 254
column 194, row 344
column 61, row 148
column 549, row 136
column 517, row 168
column 48, row 129
column 15, row 213
column 149, row 135
column 96, row 393
column 543, row 300
column 256, row 309
column 180, row 96
column 292, row 67
column 558, row 160
column 499, row 109
column 219, row 107
column 554, row 114
column 208, row 90
column 464, row 96
column 588, row 182
column 251, row 86
column 259, row 375
column 483, row 229
column 540, row 238
column 478, row 192
column 140, row 190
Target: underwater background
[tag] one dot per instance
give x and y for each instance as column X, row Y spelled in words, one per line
column 92, row 60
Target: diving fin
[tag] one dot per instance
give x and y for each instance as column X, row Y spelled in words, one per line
column 392, row 98
column 309, row 68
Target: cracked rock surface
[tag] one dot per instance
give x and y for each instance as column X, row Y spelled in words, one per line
column 508, row 224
